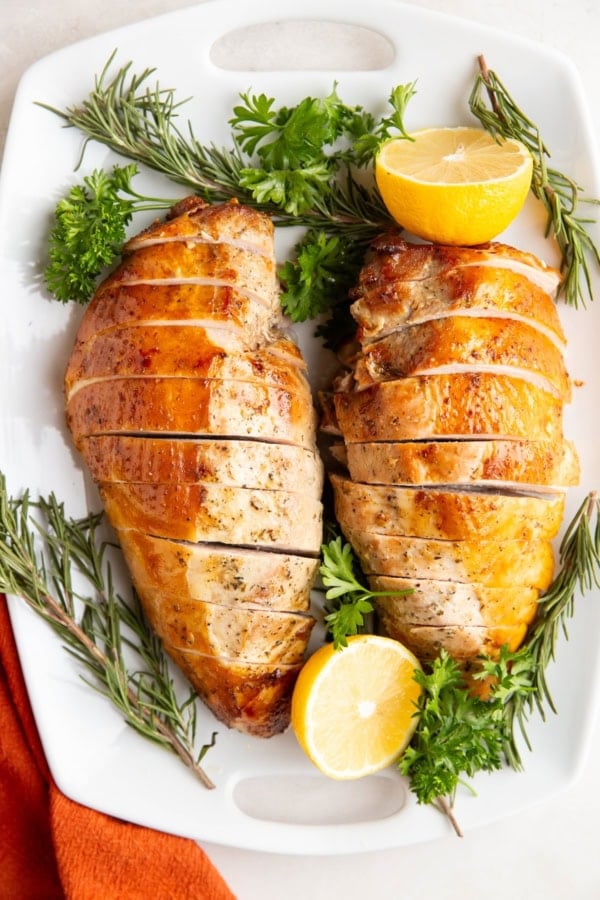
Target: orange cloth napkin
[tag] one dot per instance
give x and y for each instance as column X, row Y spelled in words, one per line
column 52, row 848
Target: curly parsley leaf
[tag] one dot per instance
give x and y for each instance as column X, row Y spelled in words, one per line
column 352, row 601
column 460, row 733
column 89, row 230
column 324, row 268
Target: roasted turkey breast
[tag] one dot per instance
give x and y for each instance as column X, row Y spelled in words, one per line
column 448, row 420
column 192, row 410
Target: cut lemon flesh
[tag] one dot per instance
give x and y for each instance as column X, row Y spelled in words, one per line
column 353, row 709
column 454, row 185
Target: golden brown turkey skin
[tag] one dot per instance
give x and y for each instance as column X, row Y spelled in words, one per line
column 194, row 414
column 449, row 419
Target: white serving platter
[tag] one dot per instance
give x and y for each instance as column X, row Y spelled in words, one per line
column 267, row 796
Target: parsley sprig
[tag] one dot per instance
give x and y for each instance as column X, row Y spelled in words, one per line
column 89, row 230
column 297, row 163
column 351, row 600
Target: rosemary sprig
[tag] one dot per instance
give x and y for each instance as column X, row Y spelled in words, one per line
column 579, row 561
column 559, row 194
column 40, row 552
column 139, row 122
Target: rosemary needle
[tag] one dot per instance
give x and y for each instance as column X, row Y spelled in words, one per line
column 41, row 551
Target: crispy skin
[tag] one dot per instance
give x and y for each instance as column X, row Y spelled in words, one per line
column 463, row 344
column 254, row 696
column 230, row 463
column 195, row 416
column 447, row 406
column 241, row 577
column 489, row 562
column 538, row 465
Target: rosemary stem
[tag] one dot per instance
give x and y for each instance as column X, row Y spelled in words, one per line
column 51, row 610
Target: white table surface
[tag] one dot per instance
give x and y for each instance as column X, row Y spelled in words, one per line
column 551, row 851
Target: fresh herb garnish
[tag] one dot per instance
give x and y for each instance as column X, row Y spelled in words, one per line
column 42, row 553
column 90, row 228
column 323, row 271
column 459, row 733
column 559, row 194
column 352, row 601
column 297, row 163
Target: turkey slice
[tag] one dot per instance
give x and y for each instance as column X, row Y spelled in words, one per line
column 535, row 465
column 462, row 642
column 230, row 463
column 266, row 636
column 463, row 344
column 194, row 219
column 206, row 305
column 448, row 406
column 431, row 602
column 231, row 576
column 445, row 514
column 287, row 520
column 489, row 562
column 192, row 406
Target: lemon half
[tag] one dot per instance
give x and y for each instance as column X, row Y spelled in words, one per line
column 454, row 185
column 353, row 709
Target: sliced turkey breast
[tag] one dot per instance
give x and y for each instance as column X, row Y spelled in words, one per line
column 448, row 406
column 489, row 562
column 445, row 514
column 450, row 414
column 194, row 413
column 219, row 573
column 255, row 697
column 535, row 465
column 462, row 344
column 462, row 642
column 230, row 463
column 287, row 520
column 186, row 406
column 431, row 602
column 267, row 636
